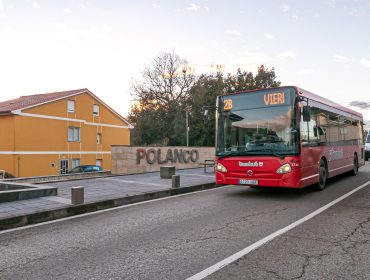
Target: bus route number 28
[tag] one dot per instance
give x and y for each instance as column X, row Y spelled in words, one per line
column 228, row 104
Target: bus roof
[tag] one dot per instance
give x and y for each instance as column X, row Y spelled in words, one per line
column 312, row 96
column 327, row 102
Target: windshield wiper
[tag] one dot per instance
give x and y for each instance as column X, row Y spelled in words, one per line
column 269, row 150
column 250, row 152
column 233, row 153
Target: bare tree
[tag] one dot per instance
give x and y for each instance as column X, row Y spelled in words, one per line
column 165, row 83
column 162, row 94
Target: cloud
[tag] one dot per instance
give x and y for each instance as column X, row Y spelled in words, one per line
column 35, row 5
column 2, row 7
column 156, row 6
column 257, row 58
column 340, row 58
column 295, row 17
column 234, row 32
column 365, row 62
column 358, row 13
column 269, row 36
column 193, row 7
column 66, row 10
column 360, row 104
column 332, row 3
column 284, row 8
column 287, row 54
column 206, row 8
column 304, row 72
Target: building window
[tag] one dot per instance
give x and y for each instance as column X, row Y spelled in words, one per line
column 96, row 110
column 99, row 162
column 71, row 106
column 98, row 138
column 73, row 134
column 75, row 162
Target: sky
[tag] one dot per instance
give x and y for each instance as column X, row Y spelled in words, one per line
column 53, row 45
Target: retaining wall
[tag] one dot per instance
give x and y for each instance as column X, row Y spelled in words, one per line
column 57, row 178
column 130, row 160
column 14, row 191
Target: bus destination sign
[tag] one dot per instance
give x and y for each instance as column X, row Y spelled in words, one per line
column 274, row 98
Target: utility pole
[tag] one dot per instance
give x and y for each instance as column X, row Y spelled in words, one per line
column 187, row 129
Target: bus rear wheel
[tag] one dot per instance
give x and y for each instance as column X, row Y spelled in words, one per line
column 355, row 166
column 323, row 176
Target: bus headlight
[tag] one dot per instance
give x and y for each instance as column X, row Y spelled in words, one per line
column 221, row 168
column 285, row 168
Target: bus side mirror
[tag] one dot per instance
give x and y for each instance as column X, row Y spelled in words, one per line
column 306, row 113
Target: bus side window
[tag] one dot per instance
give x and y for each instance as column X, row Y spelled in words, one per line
column 322, row 124
column 309, row 130
column 304, row 128
column 312, row 126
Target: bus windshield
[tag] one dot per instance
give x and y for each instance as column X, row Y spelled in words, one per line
column 257, row 123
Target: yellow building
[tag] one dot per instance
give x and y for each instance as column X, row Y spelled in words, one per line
column 49, row 134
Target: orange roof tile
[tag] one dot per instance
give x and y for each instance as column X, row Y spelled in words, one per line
column 24, row 102
column 36, row 99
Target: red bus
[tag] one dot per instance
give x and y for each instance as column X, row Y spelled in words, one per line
column 285, row 137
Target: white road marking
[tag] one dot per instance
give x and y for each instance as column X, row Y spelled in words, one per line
column 107, row 210
column 216, row 267
column 132, row 182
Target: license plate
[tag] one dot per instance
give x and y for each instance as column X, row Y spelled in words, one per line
column 248, row 182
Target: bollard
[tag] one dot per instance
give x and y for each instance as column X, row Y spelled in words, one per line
column 166, row 172
column 77, row 195
column 175, row 181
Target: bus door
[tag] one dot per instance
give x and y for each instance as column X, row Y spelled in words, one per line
column 310, row 150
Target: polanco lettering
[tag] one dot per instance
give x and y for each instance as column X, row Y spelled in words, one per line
column 153, row 156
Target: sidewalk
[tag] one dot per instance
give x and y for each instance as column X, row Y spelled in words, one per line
column 100, row 193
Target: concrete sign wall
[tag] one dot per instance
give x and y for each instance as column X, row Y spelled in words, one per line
column 130, row 160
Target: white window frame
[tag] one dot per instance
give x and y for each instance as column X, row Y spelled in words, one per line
column 71, row 106
column 74, row 134
column 63, row 166
column 96, row 110
column 75, row 162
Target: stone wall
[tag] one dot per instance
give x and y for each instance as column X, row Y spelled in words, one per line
column 58, row 178
column 130, row 160
column 15, row 191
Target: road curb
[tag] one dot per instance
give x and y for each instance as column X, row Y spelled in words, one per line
column 68, row 211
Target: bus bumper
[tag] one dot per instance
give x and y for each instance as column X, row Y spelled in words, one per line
column 289, row 180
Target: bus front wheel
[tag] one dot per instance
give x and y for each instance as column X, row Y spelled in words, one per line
column 323, row 176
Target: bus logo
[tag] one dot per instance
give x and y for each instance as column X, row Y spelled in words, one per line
column 274, row 98
column 251, row 164
column 250, row 173
column 335, row 154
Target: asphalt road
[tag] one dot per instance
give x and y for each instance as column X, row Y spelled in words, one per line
column 177, row 237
